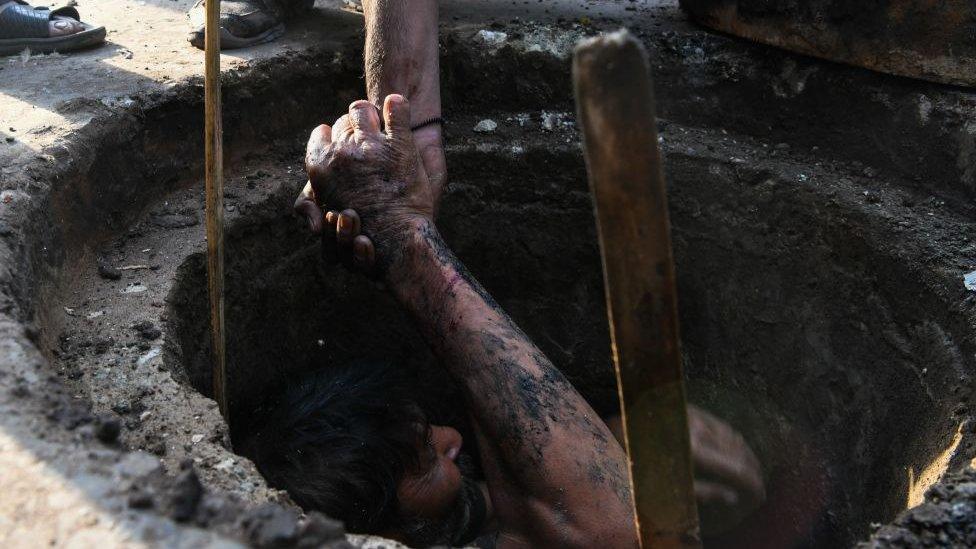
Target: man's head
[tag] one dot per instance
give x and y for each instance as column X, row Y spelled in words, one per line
column 352, row 442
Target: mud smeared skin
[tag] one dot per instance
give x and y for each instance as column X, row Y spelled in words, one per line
column 539, row 438
column 551, row 462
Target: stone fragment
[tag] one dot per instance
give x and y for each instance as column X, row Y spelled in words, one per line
column 147, row 330
column 969, row 280
column 928, row 515
column 966, row 490
column 271, row 525
column 318, row 529
column 134, row 288
column 486, row 126
column 492, row 38
column 184, row 494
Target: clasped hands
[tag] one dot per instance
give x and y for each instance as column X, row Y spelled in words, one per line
column 368, row 191
column 366, row 185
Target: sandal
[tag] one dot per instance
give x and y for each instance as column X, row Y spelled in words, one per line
column 25, row 27
column 244, row 22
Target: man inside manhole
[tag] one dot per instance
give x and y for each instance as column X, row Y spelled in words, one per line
column 354, row 443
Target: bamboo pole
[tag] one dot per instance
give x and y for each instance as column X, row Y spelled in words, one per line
column 213, row 136
column 615, row 103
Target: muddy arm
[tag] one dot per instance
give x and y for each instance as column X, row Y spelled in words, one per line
column 401, row 57
column 556, row 475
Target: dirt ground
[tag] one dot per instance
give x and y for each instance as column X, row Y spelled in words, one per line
column 823, row 226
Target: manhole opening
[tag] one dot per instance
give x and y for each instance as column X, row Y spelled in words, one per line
column 776, row 332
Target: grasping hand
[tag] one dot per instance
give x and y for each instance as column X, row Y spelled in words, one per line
column 356, row 166
column 728, row 477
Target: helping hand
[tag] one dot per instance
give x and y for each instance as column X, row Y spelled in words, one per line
column 354, row 165
column 728, row 477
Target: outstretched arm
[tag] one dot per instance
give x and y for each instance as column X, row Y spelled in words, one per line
column 401, row 54
column 402, row 57
column 556, row 475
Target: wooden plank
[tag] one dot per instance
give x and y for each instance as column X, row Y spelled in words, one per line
column 615, row 103
column 213, row 136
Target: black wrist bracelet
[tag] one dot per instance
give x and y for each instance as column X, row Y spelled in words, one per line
column 428, row 122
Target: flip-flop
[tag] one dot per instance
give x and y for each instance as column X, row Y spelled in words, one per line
column 245, row 22
column 25, row 27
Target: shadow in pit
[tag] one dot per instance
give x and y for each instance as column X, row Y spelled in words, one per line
column 795, row 326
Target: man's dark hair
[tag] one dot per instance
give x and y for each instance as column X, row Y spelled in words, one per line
column 340, row 441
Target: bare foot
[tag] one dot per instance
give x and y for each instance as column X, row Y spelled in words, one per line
column 63, row 26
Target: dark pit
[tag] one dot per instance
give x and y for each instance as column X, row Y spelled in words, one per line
column 822, row 309
column 796, row 328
